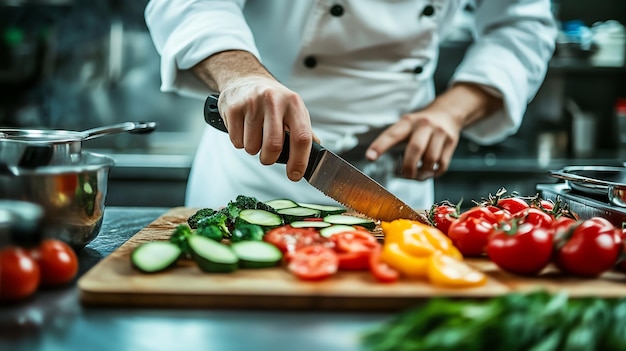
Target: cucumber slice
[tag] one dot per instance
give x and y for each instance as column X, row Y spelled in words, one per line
column 335, row 229
column 212, row 256
column 350, row 220
column 325, row 210
column 260, row 217
column 279, row 204
column 293, row 214
column 155, row 256
column 310, row 224
column 257, row 254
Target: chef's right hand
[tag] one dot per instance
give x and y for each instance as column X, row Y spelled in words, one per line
column 257, row 111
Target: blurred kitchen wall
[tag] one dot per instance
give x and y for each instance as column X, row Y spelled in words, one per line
column 94, row 64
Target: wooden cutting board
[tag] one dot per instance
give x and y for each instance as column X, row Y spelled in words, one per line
column 113, row 282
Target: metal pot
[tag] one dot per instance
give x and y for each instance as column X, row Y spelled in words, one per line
column 30, row 148
column 72, row 196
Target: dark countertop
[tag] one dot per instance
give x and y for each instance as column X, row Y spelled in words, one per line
column 56, row 320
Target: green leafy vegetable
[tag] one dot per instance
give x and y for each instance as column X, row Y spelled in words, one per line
column 200, row 214
column 537, row 322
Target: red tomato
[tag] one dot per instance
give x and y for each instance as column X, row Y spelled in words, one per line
column 354, row 261
column 500, row 214
column 513, row 204
column 380, row 270
column 354, row 241
column 482, row 212
column 525, row 249
column 441, row 216
column 562, row 223
column 536, row 217
column 287, row 238
column 470, row 235
column 19, row 274
column 57, row 261
column 589, row 249
column 314, row 262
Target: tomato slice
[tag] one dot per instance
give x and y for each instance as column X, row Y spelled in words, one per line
column 381, row 270
column 314, row 262
column 287, row 238
column 355, row 241
column 354, row 261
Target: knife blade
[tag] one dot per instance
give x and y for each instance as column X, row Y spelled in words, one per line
column 336, row 178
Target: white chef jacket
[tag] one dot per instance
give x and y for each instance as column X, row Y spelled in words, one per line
column 356, row 64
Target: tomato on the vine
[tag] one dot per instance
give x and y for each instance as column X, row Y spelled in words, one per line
column 500, row 214
column 19, row 274
column 589, row 248
column 470, row 235
column 536, row 217
column 543, row 204
column 479, row 212
column 513, row 204
column 442, row 215
column 522, row 249
column 57, row 261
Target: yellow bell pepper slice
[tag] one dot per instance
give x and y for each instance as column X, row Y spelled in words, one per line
column 407, row 264
column 447, row 271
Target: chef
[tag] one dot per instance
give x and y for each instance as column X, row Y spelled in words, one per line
column 332, row 70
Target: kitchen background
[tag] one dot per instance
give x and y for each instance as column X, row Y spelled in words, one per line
column 86, row 63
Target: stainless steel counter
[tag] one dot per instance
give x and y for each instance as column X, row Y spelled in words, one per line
column 55, row 319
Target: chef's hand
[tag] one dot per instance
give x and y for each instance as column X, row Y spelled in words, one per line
column 432, row 134
column 257, row 109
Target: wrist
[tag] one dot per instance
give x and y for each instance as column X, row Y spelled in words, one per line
column 467, row 103
column 228, row 68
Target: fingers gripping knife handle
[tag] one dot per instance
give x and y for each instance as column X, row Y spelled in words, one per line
column 214, row 119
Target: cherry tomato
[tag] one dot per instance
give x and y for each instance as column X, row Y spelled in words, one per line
column 536, row 217
column 57, row 261
column 482, row 212
column 441, row 216
column 562, row 223
column 589, row 248
column 314, row 262
column 524, row 249
column 470, row 235
column 381, row 270
column 287, row 238
column 19, row 274
column 513, row 204
column 544, row 204
column 501, row 215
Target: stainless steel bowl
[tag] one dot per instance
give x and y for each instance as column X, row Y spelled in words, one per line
column 72, row 196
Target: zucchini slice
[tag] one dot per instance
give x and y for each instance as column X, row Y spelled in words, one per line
column 293, row 214
column 335, row 229
column 279, row 204
column 325, row 210
column 310, row 224
column 262, row 218
column 212, row 256
column 257, row 254
column 350, row 220
column 155, row 256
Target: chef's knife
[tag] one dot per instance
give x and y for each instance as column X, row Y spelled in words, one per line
column 336, row 178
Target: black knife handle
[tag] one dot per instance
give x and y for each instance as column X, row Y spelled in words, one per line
column 213, row 118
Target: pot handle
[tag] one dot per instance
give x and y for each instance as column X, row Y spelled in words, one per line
column 131, row 127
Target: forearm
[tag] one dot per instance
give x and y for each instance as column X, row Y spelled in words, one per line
column 226, row 67
column 467, row 103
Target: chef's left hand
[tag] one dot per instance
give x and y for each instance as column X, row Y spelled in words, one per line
column 433, row 133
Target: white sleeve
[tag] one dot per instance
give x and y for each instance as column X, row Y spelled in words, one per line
column 186, row 32
column 514, row 42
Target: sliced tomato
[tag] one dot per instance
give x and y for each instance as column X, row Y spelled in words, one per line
column 354, row 241
column 354, row 261
column 381, row 270
column 314, row 262
column 287, row 238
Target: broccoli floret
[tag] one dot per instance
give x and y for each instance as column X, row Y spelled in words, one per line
column 219, row 219
column 246, row 231
column 179, row 237
column 200, row 214
column 211, row 231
